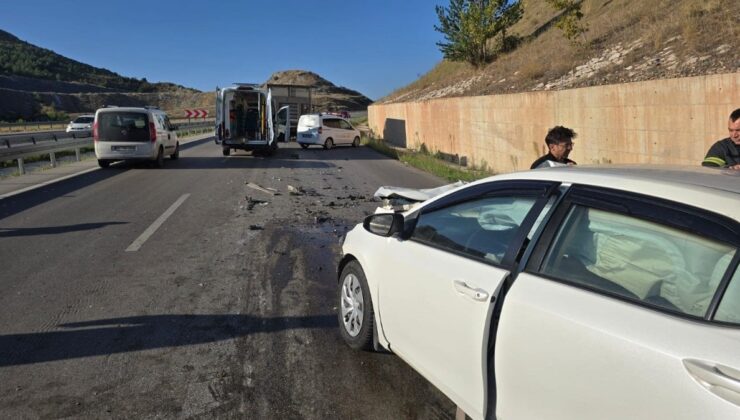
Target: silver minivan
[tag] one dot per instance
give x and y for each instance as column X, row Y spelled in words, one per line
column 134, row 134
column 326, row 130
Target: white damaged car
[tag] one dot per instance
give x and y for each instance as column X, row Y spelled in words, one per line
column 561, row 293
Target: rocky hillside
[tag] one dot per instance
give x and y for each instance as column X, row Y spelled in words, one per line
column 626, row 41
column 325, row 94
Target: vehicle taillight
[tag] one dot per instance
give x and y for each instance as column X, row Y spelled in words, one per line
column 95, row 131
column 152, row 132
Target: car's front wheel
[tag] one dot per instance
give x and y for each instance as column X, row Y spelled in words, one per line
column 355, row 312
column 328, row 144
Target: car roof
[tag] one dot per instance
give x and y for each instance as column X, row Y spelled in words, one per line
column 713, row 189
column 130, row 109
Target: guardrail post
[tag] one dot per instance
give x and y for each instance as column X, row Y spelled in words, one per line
column 77, row 154
column 53, row 159
column 21, row 170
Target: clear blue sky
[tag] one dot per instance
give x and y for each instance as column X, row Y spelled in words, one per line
column 373, row 47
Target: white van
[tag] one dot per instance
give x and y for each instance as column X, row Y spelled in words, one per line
column 134, row 134
column 326, row 130
column 245, row 119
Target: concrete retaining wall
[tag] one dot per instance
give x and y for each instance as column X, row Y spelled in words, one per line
column 662, row 122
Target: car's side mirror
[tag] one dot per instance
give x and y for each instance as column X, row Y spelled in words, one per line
column 384, row 224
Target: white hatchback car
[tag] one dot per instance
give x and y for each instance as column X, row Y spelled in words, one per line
column 561, row 293
column 134, row 134
column 326, row 130
column 81, row 125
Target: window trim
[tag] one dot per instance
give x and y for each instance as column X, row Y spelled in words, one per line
column 638, row 206
column 540, row 190
column 724, row 284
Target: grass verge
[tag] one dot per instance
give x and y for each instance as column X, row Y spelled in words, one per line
column 427, row 162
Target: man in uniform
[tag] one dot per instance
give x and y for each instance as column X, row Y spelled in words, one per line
column 726, row 152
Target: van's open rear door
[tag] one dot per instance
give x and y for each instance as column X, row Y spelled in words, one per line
column 270, row 129
column 282, row 118
column 220, row 126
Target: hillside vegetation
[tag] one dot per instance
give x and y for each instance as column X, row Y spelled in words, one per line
column 19, row 58
column 627, row 40
column 39, row 84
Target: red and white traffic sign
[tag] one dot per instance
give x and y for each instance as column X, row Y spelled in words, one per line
column 196, row 113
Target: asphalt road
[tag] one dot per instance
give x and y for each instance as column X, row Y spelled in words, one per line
column 226, row 310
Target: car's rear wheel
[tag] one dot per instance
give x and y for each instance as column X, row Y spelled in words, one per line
column 176, row 154
column 356, row 142
column 328, row 144
column 304, row 145
column 355, row 310
column 226, row 151
column 103, row 163
column 159, row 163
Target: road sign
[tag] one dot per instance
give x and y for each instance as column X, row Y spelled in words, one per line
column 196, row 113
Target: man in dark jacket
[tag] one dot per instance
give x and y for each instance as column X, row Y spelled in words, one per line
column 559, row 142
column 726, row 152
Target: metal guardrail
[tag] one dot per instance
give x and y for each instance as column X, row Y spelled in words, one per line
column 21, row 146
column 38, row 125
column 20, row 127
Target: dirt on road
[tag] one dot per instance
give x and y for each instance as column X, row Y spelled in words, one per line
column 240, row 322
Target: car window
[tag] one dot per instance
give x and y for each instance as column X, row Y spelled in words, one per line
column 123, row 126
column 332, row 123
column 482, row 228
column 345, row 125
column 308, row 121
column 638, row 259
column 729, row 306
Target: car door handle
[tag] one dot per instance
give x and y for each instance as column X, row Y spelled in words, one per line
column 473, row 293
column 720, row 380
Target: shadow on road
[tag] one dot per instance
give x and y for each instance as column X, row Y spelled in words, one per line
column 54, row 230
column 121, row 335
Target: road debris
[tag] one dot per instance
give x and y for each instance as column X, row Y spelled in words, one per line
column 251, row 202
column 271, row 191
column 256, row 227
column 296, row 191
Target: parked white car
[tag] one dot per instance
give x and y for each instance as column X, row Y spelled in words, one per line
column 134, row 134
column 561, row 293
column 326, row 130
column 81, row 125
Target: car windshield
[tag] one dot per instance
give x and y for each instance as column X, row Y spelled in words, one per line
column 308, row 121
column 123, row 126
column 83, row 120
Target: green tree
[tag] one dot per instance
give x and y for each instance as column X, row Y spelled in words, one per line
column 570, row 22
column 467, row 25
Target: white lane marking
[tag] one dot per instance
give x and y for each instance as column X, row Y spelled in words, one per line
column 136, row 244
column 45, row 183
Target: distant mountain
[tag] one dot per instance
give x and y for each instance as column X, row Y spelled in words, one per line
column 39, row 84
column 326, row 95
column 26, row 62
